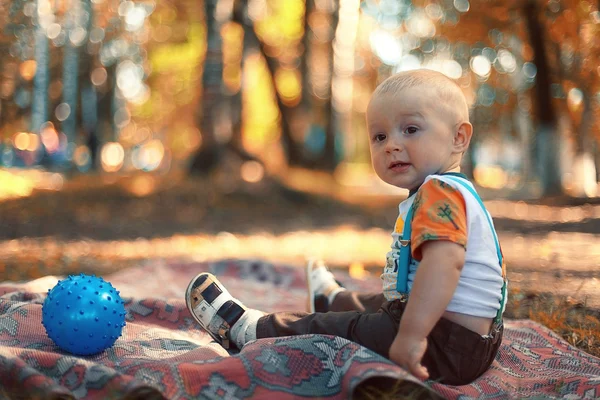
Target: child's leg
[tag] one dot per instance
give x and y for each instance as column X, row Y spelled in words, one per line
column 355, row 301
column 375, row 331
column 322, row 286
column 326, row 294
column 455, row 355
column 226, row 318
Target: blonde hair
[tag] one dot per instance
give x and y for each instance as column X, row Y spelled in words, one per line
column 452, row 96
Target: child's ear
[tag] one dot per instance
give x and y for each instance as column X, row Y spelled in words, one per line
column 462, row 137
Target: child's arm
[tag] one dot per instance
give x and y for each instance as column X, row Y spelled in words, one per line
column 433, row 287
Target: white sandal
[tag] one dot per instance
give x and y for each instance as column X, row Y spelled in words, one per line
column 213, row 307
column 320, row 283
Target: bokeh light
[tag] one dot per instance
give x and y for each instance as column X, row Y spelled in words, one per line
column 462, row 5
column 288, row 85
column 252, row 171
column 386, row 46
column 481, row 66
column 420, row 25
column 77, row 36
column 21, row 141
column 82, row 158
column 112, row 156
column 62, row 112
column 33, row 142
column 507, row 61
column 98, row 76
column 27, row 69
column 50, row 138
column 148, row 156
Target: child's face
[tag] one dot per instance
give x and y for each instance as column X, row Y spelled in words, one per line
column 411, row 136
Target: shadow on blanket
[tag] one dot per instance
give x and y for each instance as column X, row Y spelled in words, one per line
column 163, row 355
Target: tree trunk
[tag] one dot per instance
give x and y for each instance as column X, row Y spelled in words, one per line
column 596, row 153
column 547, row 138
column 209, row 155
column 522, row 126
column 116, row 102
column 236, row 99
column 70, row 90
column 305, row 100
column 89, row 116
column 89, row 98
column 328, row 160
column 292, row 150
column 236, row 144
column 105, row 117
column 71, row 67
column 41, row 81
column 584, row 168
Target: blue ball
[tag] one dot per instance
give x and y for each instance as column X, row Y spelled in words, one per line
column 83, row 314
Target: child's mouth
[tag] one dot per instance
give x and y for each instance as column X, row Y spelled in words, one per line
column 399, row 166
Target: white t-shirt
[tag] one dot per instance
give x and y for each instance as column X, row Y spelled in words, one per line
column 479, row 289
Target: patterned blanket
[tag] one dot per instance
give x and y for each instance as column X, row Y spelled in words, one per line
column 163, row 355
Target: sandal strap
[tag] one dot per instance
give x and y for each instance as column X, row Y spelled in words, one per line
column 213, row 307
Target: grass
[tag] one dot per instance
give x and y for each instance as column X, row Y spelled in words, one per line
column 572, row 320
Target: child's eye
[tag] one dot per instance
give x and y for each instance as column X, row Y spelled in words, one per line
column 411, row 130
column 380, row 137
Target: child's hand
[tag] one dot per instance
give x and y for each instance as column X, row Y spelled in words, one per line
column 408, row 354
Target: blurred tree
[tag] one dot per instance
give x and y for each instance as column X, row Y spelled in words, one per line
column 573, row 28
column 548, row 135
column 531, row 66
column 209, row 153
column 77, row 26
column 238, row 17
column 560, row 37
column 291, row 112
column 308, row 114
column 291, row 147
column 219, row 118
column 327, row 159
column 301, row 63
column 41, row 80
column 14, row 95
column 248, row 45
column 509, row 53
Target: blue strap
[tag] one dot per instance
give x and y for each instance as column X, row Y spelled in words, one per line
column 487, row 215
column 504, row 290
column 405, row 257
column 405, row 252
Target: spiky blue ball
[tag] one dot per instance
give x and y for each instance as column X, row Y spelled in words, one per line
column 83, row 314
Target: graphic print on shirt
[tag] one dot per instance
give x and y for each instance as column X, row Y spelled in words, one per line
column 399, row 225
column 441, row 215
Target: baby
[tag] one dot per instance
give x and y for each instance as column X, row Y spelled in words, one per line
column 439, row 314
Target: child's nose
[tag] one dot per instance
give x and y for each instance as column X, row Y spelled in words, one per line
column 394, row 143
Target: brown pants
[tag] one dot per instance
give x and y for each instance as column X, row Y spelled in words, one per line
column 455, row 355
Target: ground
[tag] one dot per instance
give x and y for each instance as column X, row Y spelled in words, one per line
column 99, row 224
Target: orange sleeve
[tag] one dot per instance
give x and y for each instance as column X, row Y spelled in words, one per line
column 440, row 213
